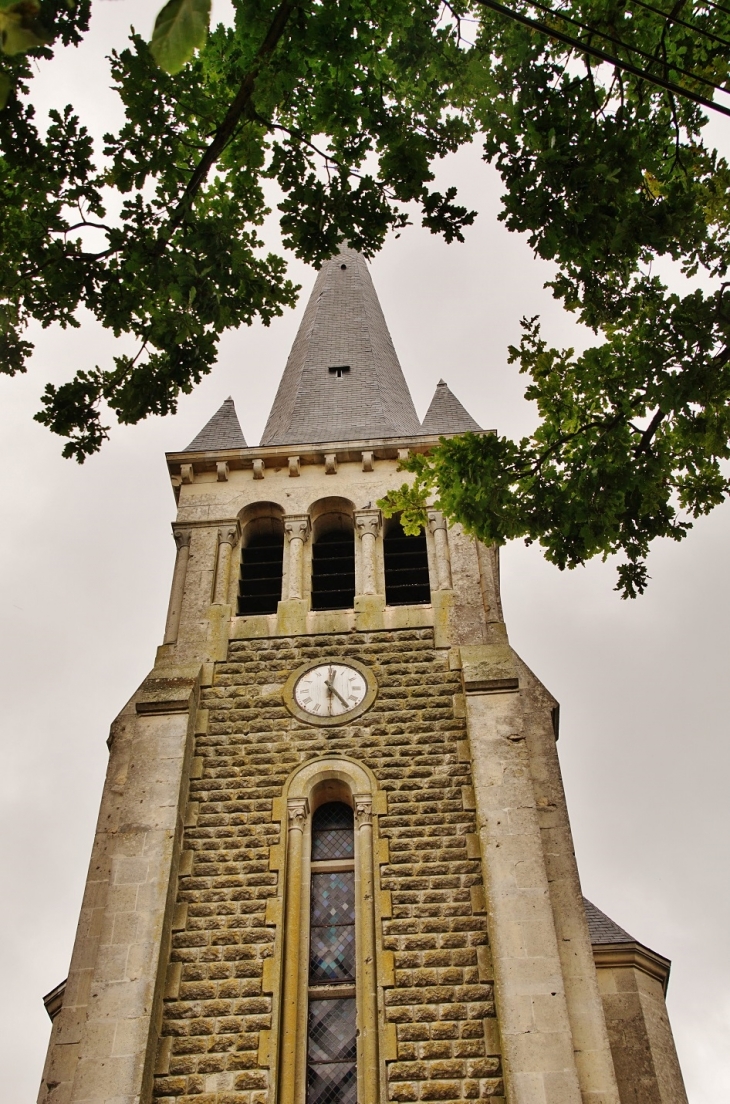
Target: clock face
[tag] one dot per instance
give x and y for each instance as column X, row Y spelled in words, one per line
column 330, row 690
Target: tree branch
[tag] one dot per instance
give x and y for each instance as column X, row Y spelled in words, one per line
column 79, row 225
column 563, row 439
column 647, row 435
column 238, row 107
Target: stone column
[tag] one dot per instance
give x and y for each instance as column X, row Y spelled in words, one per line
column 368, row 1075
column 367, row 525
column 437, row 525
column 297, row 529
column 297, row 813
column 182, row 540
column 103, row 1040
column 227, row 537
column 537, row 1041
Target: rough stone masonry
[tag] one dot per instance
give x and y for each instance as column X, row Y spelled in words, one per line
column 439, row 1000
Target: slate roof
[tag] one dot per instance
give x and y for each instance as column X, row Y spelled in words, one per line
column 343, row 326
column 446, row 414
column 223, row 431
column 602, row 928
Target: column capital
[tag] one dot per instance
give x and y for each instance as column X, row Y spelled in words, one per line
column 297, row 526
column 297, row 811
column 182, row 537
column 368, row 521
column 228, row 534
column 363, row 809
column 436, row 520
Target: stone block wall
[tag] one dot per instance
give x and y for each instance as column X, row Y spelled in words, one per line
column 644, row 1055
column 441, row 998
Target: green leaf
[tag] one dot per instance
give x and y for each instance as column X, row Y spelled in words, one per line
column 19, row 27
column 181, row 28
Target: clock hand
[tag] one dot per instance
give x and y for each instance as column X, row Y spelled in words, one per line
column 333, row 690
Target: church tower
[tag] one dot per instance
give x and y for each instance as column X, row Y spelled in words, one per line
column 333, row 862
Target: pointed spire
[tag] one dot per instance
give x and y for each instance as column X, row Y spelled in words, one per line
column 223, row 431
column 342, row 381
column 447, row 415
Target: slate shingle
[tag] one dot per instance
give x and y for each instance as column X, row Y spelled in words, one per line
column 602, row 928
column 343, row 326
column 447, row 415
column 223, row 431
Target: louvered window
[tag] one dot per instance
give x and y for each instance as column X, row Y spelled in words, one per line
column 261, row 564
column 333, row 570
column 406, row 568
column 331, row 1023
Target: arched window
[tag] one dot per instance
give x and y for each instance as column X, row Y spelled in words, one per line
column 327, row 1046
column 333, row 562
column 331, row 1022
column 262, row 556
column 406, row 567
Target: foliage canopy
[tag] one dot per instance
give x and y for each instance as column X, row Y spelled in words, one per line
column 346, row 105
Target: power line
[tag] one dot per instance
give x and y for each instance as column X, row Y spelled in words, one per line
column 619, row 42
column 718, row 7
column 682, row 22
column 603, row 55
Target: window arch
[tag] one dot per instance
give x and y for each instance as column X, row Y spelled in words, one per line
column 328, row 1019
column 406, row 567
column 262, row 557
column 333, row 556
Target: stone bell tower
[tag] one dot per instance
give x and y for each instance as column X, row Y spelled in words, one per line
column 333, row 863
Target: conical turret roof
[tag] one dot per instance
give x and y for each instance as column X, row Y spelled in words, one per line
column 223, row 431
column 342, row 381
column 447, row 415
column 602, row 928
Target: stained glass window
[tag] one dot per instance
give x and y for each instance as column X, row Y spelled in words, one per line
column 332, row 932
column 332, row 833
column 331, row 1048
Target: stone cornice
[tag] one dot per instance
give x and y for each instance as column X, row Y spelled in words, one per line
column 53, row 1001
column 634, row 955
column 278, row 456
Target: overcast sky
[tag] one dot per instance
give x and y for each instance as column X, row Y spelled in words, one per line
column 86, row 558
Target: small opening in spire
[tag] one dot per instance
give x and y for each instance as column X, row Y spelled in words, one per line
column 339, row 370
column 343, row 267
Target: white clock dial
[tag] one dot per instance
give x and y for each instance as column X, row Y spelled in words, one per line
column 330, row 690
